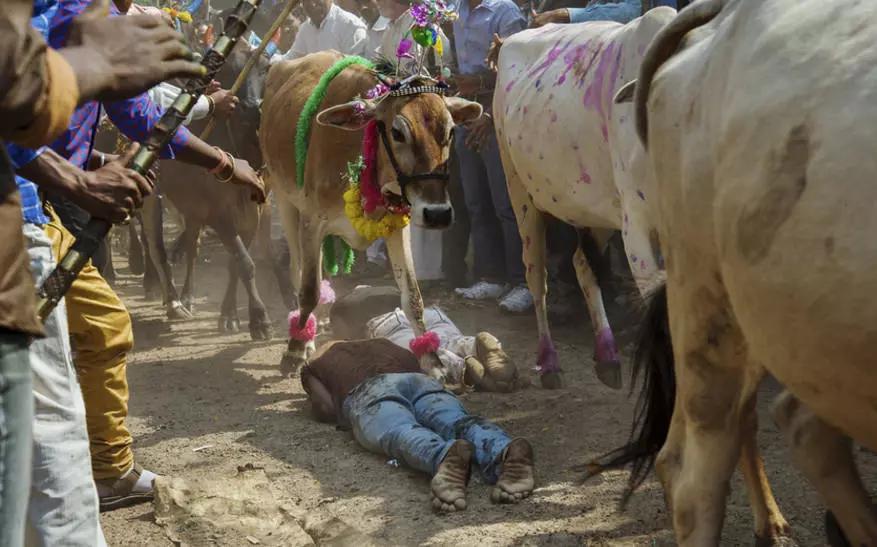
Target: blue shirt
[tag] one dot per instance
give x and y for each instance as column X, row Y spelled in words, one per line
column 474, row 30
column 623, row 11
column 134, row 117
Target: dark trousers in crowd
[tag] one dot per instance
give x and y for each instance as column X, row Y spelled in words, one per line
column 455, row 240
column 494, row 227
column 74, row 218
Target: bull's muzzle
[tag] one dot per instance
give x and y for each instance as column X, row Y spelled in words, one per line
column 438, row 216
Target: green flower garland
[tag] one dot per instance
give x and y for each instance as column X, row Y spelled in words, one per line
column 302, row 139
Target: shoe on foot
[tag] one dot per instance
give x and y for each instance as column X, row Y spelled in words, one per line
column 518, row 300
column 135, row 486
column 450, row 480
column 516, row 478
column 482, row 290
column 498, row 366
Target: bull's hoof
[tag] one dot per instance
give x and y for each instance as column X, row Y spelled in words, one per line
column 189, row 304
column 260, row 331
column 775, row 541
column 834, row 536
column 135, row 263
column 176, row 310
column 609, row 372
column 552, row 380
column 229, row 323
column 291, row 363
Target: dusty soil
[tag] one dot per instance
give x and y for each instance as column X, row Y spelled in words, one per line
column 195, row 388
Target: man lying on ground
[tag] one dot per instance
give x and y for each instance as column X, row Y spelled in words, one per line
column 377, row 389
column 477, row 361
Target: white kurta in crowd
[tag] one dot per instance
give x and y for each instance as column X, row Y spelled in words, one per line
column 340, row 30
column 164, row 95
column 375, row 35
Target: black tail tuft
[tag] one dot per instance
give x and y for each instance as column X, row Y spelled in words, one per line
column 653, row 359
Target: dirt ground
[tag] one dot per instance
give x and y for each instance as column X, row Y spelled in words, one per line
column 195, row 388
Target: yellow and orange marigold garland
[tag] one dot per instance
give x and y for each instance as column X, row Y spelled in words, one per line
column 369, row 228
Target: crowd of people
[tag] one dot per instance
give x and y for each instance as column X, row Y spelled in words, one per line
column 65, row 449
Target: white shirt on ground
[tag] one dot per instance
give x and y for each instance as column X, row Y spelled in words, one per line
column 340, row 30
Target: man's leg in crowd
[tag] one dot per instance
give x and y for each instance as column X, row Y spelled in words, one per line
column 63, row 508
column 16, row 418
column 100, row 332
column 455, row 242
column 518, row 300
column 487, row 236
column 383, row 422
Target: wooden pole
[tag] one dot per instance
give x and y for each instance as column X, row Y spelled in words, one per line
column 251, row 62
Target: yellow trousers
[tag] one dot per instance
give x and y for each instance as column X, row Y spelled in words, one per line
column 101, row 337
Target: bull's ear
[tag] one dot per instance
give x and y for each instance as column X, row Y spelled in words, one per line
column 462, row 110
column 351, row 116
column 625, row 94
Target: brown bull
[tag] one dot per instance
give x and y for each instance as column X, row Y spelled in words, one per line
column 419, row 132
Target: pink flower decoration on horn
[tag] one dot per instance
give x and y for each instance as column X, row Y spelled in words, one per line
column 404, row 48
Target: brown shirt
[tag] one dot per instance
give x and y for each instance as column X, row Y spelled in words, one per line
column 17, row 292
column 345, row 365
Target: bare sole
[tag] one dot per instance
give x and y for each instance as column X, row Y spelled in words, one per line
column 449, row 483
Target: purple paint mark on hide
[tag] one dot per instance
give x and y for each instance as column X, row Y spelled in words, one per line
column 584, row 176
column 574, row 61
column 607, row 69
column 641, row 50
column 605, row 350
column 509, row 87
column 553, row 55
column 546, row 361
column 641, row 195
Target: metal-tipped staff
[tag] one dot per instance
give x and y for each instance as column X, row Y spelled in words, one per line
column 59, row 281
column 251, row 62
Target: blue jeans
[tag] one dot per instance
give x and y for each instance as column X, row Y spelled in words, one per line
column 494, row 228
column 410, row 417
column 16, row 418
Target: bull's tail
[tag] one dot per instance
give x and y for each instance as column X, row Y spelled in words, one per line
column 653, row 360
column 663, row 46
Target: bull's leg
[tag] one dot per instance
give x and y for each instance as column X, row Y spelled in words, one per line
column 302, row 328
column 152, row 229
column 135, row 250
column 715, row 388
column 399, row 249
column 260, row 324
column 190, row 250
column 228, row 312
column 606, row 361
column 291, row 284
column 825, row 456
column 771, row 528
column 531, row 223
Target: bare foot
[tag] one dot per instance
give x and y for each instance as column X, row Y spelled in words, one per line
column 516, row 481
column 449, row 483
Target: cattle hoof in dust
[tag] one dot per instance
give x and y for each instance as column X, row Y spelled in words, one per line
column 189, row 304
column 260, row 330
column 551, row 380
column 775, row 541
column 176, row 310
column 291, row 363
column 229, row 323
column 834, row 536
column 609, row 372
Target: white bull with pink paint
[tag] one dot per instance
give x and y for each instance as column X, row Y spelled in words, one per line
column 570, row 152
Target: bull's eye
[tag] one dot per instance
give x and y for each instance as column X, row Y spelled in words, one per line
column 397, row 135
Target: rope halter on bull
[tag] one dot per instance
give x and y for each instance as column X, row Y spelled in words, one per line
column 371, row 213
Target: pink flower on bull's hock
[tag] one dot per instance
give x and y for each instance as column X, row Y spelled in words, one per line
column 403, row 50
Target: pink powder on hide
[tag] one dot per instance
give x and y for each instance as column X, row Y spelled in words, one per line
column 428, row 342
column 297, row 332
column 547, row 358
